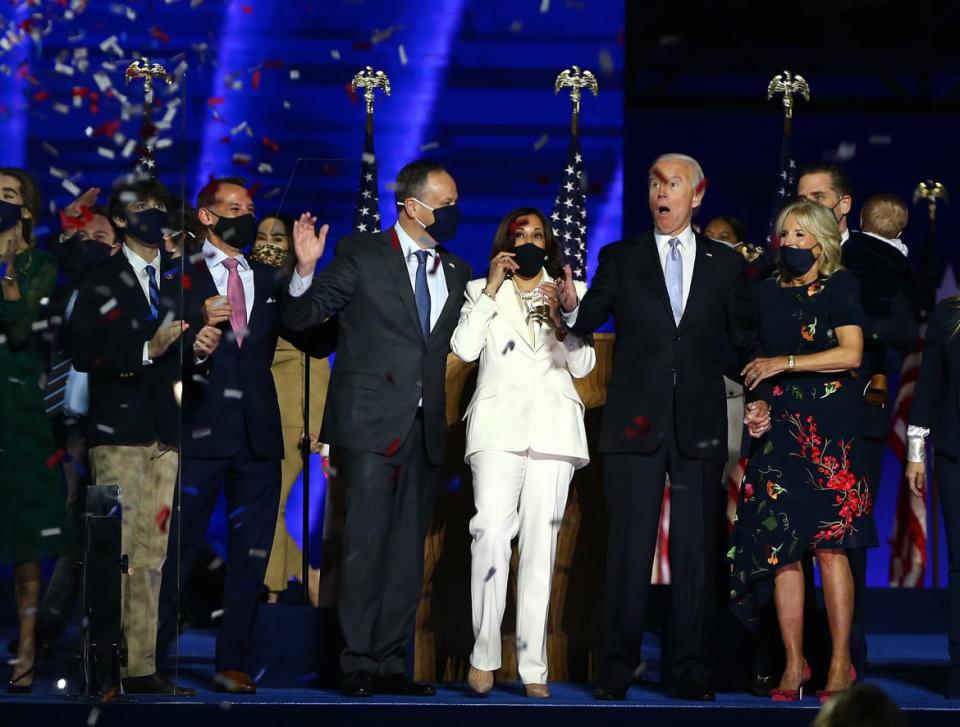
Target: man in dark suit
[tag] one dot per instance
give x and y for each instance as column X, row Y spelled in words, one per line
column 124, row 333
column 889, row 288
column 679, row 300
column 232, row 440
column 398, row 296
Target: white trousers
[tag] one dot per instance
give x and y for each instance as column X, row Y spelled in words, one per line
column 525, row 493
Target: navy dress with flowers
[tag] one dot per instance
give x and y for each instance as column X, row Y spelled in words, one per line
column 805, row 485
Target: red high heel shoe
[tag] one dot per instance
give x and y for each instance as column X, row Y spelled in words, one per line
column 825, row 694
column 792, row 695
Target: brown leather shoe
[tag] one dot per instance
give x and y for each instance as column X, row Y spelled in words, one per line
column 537, row 691
column 233, row 682
column 480, row 681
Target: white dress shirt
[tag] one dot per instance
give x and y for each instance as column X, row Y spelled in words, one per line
column 844, row 236
column 436, row 281
column 688, row 254
column 139, row 266
column 894, row 242
column 215, row 257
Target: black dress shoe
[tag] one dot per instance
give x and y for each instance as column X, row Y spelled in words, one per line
column 610, row 693
column 404, row 685
column 155, row 684
column 358, row 684
column 762, row 684
column 696, row 693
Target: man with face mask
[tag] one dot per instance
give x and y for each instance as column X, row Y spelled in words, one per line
column 398, row 294
column 232, row 440
column 889, row 291
column 125, row 333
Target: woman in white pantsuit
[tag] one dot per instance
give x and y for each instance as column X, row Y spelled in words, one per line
column 525, row 438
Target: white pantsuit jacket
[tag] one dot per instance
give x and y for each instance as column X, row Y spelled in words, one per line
column 525, row 396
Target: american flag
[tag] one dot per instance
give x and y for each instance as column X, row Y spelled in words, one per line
column 569, row 218
column 366, row 216
column 908, row 547
column 786, row 183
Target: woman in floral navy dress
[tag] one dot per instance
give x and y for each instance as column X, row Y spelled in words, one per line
column 805, row 488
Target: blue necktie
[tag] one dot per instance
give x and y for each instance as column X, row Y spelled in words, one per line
column 154, row 292
column 673, row 273
column 422, row 292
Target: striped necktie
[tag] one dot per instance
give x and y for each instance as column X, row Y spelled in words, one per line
column 154, row 291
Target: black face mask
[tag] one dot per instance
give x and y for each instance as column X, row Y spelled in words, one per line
column 796, row 261
column 10, row 215
column 94, row 252
column 238, row 232
column 445, row 222
column 148, row 226
column 529, row 258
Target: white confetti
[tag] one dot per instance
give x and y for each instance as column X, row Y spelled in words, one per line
column 61, row 108
column 72, row 188
column 294, row 75
column 93, row 717
column 429, row 145
column 108, row 306
column 50, row 532
column 105, row 429
column 106, row 153
column 403, row 54
column 216, row 614
column 201, row 433
column 335, row 54
column 544, row 6
column 232, row 394
column 264, row 168
column 541, row 142
column 257, row 553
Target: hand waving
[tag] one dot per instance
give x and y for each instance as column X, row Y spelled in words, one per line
column 308, row 244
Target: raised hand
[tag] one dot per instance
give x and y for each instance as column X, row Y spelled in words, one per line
column 566, row 291
column 308, row 244
column 502, row 264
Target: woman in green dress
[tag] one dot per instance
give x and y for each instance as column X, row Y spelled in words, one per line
column 33, row 513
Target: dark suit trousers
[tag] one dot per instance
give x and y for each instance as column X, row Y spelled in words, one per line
column 947, row 471
column 634, row 487
column 389, row 505
column 252, row 490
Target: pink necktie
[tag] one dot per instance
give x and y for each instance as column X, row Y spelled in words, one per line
column 237, row 300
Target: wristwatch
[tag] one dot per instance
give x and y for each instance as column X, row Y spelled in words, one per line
column 791, row 361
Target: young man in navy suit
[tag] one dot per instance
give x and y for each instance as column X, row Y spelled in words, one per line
column 232, row 439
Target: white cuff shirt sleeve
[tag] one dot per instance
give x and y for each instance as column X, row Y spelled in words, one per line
column 146, row 354
column 298, row 285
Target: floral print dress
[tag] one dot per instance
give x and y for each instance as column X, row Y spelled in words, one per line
column 805, row 485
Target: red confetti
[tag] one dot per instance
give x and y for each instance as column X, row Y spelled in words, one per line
column 329, row 170
column 272, row 64
column 659, row 175
column 155, row 32
column 362, row 45
column 702, row 186
column 393, row 447
column 255, row 80
column 69, row 222
column 638, row 428
column 543, row 179
column 351, row 93
column 270, row 144
column 187, row 282
column 225, row 139
column 254, row 188
column 395, row 243
column 436, row 263
column 81, row 91
column 113, row 314
column 518, row 223
column 247, row 9
column 41, row 96
column 56, row 458
column 163, row 517
column 215, row 101
column 107, row 128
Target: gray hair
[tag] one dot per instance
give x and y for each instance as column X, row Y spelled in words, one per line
column 694, row 165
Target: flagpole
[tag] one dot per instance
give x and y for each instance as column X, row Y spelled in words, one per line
column 788, row 86
column 932, row 192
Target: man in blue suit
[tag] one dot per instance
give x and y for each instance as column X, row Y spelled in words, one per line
column 232, row 440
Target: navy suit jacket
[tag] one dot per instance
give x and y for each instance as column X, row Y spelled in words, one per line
column 233, row 395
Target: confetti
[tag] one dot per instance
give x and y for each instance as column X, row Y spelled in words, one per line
column 509, row 347
column 105, row 429
column 270, row 144
column 93, row 717
column 541, row 142
column 490, row 574
column 430, row 145
column 201, row 433
column 163, row 518
column 544, row 6
column 606, row 61
column 257, row 553
column 50, row 532
column 701, row 188
column 393, row 447
column 232, row 394
column 294, row 75
column 235, row 513
column 335, row 54
column 56, row 458
column 215, row 615
column 403, row 54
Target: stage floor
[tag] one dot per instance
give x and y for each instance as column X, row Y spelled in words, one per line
column 909, row 667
